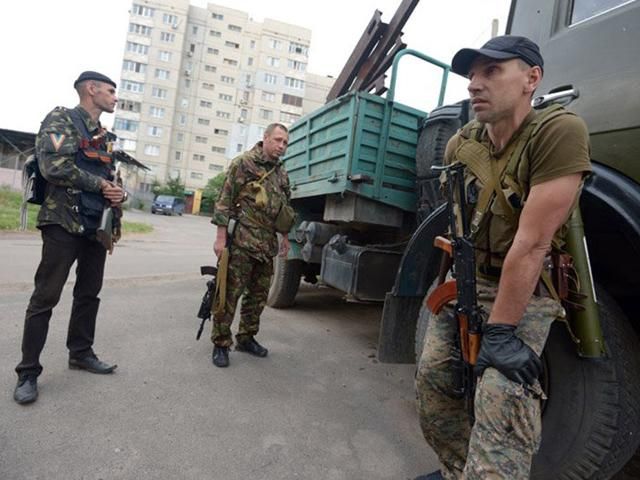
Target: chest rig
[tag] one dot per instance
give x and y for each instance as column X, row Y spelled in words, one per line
column 497, row 186
column 93, row 156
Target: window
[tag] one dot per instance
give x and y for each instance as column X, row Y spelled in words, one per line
column 225, row 97
column 178, row 157
column 296, row 65
column 142, row 11
column 194, row 30
column 215, row 168
column 292, row 100
column 218, row 150
column 294, row 83
column 227, row 79
column 273, row 62
column 215, row 33
column 266, row 114
column 295, row 47
column 137, row 67
column 196, row 175
column 152, row 150
column 134, row 87
column 204, row 121
column 221, row 114
column 583, row 9
column 167, row 37
column 212, row 51
column 157, row 112
column 208, row 86
column 275, row 44
column 205, row 104
column 229, row 61
column 125, row 124
column 154, row 131
column 249, row 61
column 126, row 144
column 140, row 49
column 179, row 137
column 184, row 102
column 268, row 96
column 245, row 96
column 231, row 44
column 210, row 68
column 164, row 56
column 220, row 131
column 287, row 117
column 270, row 78
column 199, row 139
column 234, row 28
column 161, row 74
column 239, row 147
column 157, row 92
column 198, row 157
column 129, row 106
column 252, row 44
column 169, row 19
column 244, row 113
column 187, row 83
column 217, row 16
column 182, row 119
column 140, row 29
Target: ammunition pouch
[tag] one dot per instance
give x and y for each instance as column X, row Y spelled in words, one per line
column 285, row 219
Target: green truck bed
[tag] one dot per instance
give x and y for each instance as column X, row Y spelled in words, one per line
column 359, row 143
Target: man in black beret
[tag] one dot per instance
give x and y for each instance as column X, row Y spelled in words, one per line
column 73, row 157
column 522, row 174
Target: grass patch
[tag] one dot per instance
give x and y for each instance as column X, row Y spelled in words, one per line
column 10, row 215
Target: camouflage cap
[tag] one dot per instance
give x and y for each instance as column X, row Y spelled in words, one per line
column 89, row 75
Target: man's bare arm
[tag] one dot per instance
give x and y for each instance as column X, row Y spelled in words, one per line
column 546, row 209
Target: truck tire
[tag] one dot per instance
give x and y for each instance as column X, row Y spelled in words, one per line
column 591, row 421
column 285, row 282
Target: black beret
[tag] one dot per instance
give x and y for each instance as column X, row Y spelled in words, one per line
column 504, row 47
column 89, row 75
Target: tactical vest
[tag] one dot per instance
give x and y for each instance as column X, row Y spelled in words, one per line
column 94, row 157
column 497, row 189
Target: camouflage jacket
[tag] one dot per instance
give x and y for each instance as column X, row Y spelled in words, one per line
column 56, row 146
column 255, row 232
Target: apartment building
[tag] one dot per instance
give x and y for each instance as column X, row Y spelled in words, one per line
column 199, row 85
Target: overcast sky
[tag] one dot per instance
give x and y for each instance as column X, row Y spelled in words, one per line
column 45, row 44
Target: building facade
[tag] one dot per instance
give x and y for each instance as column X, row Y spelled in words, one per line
column 199, row 86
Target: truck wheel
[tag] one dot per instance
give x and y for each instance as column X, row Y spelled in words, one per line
column 591, row 421
column 285, row 282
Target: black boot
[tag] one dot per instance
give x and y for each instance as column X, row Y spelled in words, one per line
column 220, row 356
column 26, row 390
column 90, row 363
column 252, row 347
column 431, row 476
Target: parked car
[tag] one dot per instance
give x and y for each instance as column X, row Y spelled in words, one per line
column 168, row 205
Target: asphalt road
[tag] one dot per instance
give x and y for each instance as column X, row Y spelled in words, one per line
column 320, row 406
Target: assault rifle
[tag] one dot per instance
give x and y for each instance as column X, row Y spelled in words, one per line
column 207, row 300
column 463, row 288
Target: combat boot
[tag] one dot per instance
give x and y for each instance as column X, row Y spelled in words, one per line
column 26, row 390
column 220, row 356
column 252, row 347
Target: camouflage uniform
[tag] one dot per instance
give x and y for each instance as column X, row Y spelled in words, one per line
column 64, row 242
column 254, row 243
column 507, row 429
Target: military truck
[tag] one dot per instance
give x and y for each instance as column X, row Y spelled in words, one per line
column 369, row 208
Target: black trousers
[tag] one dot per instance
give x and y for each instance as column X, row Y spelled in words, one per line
column 59, row 250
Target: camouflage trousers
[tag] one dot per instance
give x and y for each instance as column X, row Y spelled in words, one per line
column 507, row 429
column 249, row 278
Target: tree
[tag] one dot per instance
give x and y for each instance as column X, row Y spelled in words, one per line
column 211, row 192
column 173, row 187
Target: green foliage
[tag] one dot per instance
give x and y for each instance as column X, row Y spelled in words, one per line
column 173, row 187
column 136, row 227
column 10, row 202
column 211, row 192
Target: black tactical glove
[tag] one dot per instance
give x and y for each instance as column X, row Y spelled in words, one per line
column 504, row 351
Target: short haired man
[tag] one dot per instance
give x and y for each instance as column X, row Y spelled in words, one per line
column 547, row 155
column 78, row 186
column 255, row 191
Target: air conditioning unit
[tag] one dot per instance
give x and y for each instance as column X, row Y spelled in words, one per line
column 243, row 102
column 249, row 85
column 174, row 26
column 189, row 54
column 240, row 120
column 187, row 73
